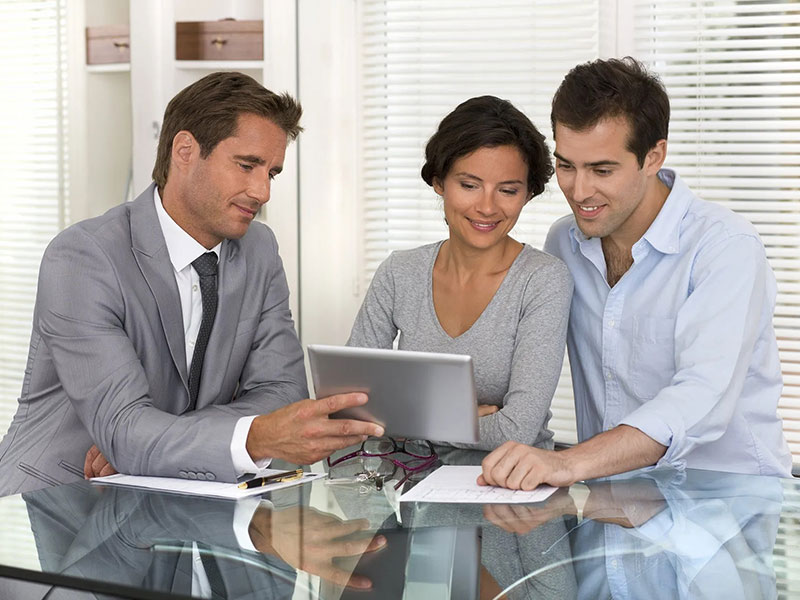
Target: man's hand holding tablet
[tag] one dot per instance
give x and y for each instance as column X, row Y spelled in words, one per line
column 302, row 432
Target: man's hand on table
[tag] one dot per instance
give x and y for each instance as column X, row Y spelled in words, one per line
column 311, row 540
column 96, row 465
column 521, row 467
column 302, row 432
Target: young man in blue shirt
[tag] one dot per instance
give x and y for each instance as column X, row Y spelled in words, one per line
column 673, row 355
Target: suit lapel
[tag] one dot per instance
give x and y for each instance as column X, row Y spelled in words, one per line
column 150, row 252
column 231, row 286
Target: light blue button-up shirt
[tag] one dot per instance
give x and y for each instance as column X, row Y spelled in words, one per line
column 682, row 347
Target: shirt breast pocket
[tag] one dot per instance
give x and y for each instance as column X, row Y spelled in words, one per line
column 652, row 355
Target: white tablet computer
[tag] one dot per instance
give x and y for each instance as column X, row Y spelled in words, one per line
column 419, row 395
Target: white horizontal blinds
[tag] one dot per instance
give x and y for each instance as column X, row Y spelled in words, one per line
column 732, row 69
column 32, row 203
column 419, row 60
column 32, row 63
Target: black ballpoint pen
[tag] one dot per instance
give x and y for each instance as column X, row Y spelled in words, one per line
column 276, row 478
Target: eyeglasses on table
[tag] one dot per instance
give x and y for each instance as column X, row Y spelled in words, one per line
column 420, row 453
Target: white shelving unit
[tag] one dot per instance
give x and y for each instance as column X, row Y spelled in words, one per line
column 100, row 122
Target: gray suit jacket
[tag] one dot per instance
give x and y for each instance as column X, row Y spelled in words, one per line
column 107, row 362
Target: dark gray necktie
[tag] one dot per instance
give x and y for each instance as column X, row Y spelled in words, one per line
column 206, row 267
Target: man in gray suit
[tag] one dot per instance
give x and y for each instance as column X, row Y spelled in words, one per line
column 162, row 339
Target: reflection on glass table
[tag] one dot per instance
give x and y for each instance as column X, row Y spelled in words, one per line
column 647, row 534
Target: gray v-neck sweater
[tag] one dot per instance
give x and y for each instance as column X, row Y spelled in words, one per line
column 517, row 343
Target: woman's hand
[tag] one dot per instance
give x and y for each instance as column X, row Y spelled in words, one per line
column 487, row 409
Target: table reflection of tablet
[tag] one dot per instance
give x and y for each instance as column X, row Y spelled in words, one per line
column 432, row 562
column 419, row 395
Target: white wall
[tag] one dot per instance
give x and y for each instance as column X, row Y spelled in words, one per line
column 329, row 191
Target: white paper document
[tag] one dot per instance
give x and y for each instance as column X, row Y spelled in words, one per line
column 458, row 484
column 203, row 488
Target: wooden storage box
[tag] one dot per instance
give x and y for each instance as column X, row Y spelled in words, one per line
column 108, row 44
column 219, row 40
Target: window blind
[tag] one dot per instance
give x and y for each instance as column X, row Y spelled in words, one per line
column 732, row 69
column 33, row 203
column 418, row 60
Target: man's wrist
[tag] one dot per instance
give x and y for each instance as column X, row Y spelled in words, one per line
column 256, row 439
column 569, row 464
column 620, row 449
column 242, row 460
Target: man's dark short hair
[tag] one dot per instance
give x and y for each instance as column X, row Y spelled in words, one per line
column 608, row 89
column 484, row 122
column 209, row 109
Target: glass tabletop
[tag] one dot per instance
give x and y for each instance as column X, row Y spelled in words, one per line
column 645, row 534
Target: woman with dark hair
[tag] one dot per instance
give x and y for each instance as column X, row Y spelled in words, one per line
column 480, row 292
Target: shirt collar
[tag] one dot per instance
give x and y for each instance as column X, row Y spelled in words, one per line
column 182, row 248
column 576, row 236
column 664, row 232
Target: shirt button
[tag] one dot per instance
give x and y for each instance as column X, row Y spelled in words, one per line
column 611, row 323
column 608, row 375
column 614, row 563
column 194, row 288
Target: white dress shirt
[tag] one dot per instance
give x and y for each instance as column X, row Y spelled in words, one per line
column 183, row 249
